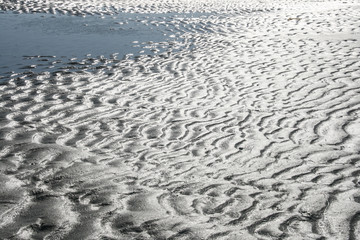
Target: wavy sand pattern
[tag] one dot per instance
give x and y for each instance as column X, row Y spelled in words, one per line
column 251, row 133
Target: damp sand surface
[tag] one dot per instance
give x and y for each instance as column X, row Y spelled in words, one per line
column 246, row 127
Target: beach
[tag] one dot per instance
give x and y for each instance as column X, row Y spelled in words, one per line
column 180, row 119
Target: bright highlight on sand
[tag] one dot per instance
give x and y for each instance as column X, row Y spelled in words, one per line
column 161, row 119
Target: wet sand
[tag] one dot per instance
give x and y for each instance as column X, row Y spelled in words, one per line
column 245, row 127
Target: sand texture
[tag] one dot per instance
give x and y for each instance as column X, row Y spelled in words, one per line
column 246, row 127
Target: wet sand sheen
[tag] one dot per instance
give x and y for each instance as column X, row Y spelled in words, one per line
column 248, row 131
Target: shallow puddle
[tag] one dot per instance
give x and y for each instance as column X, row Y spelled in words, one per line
column 41, row 41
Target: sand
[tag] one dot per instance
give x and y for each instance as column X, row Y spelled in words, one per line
column 245, row 126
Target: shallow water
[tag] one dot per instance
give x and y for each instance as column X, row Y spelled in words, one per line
column 37, row 41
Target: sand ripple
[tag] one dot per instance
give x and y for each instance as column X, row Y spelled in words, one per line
column 252, row 133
